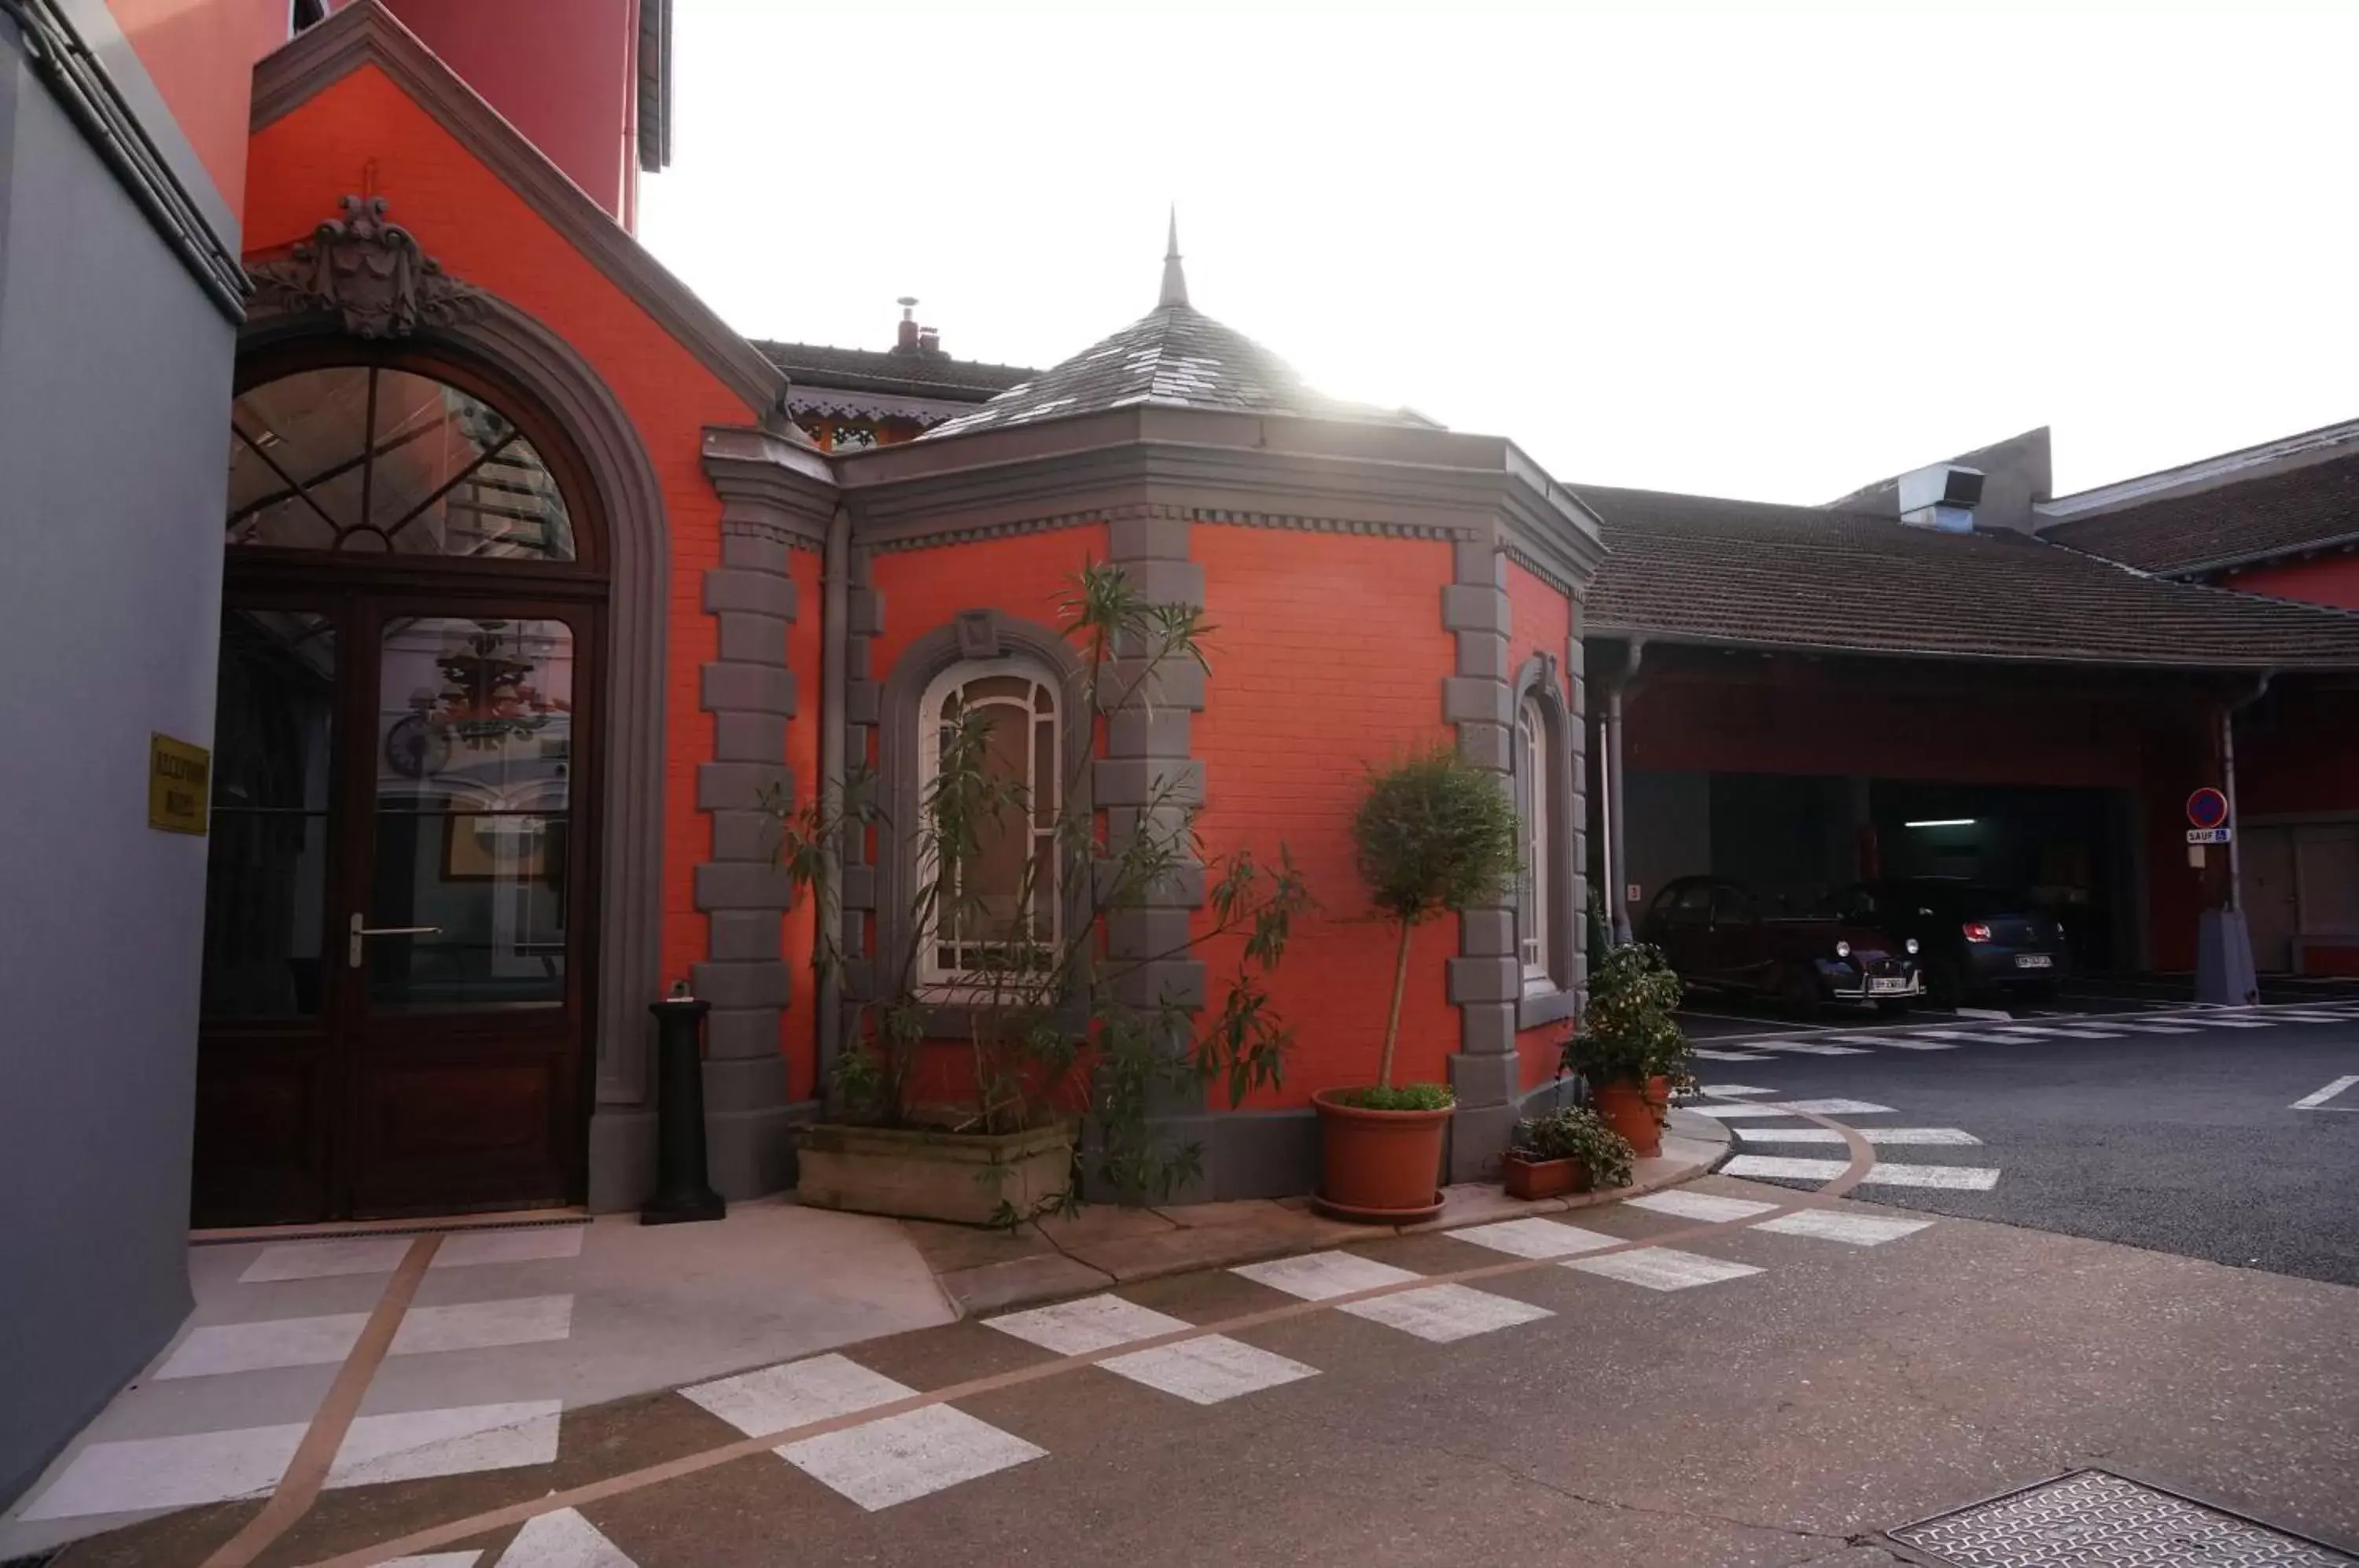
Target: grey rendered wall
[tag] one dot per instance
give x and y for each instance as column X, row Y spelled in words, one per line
column 114, row 376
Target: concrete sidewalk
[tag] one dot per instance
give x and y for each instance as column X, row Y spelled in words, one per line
column 993, row 1271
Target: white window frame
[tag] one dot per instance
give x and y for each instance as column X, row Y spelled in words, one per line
column 948, row 980
column 1536, row 887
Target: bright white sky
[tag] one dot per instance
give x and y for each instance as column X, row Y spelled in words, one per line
column 1768, row 255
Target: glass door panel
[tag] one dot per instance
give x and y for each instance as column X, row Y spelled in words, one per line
column 267, row 860
column 471, row 817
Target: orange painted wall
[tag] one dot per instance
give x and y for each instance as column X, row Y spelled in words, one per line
column 2332, row 580
column 1539, row 620
column 1327, row 654
column 562, row 71
column 1027, row 575
column 200, row 55
column 365, row 128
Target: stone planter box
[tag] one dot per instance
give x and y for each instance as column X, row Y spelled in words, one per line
column 925, row 1173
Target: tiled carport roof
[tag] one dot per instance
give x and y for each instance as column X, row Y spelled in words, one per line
column 1696, row 569
column 2313, row 506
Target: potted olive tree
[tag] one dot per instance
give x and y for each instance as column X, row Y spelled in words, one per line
column 1434, row 835
column 967, row 1102
column 1570, row 1151
column 1628, row 1044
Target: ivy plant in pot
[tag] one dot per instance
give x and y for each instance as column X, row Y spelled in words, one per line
column 1628, row 1044
column 1434, row 835
column 1570, row 1151
column 988, row 1096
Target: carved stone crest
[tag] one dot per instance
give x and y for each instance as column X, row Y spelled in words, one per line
column 370, row 273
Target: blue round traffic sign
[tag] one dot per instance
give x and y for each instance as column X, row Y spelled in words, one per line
column 2207, row 808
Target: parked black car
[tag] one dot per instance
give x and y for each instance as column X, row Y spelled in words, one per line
column 1719, row 935
column 1974, row 939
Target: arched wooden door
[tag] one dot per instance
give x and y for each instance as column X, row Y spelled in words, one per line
column 400, row 927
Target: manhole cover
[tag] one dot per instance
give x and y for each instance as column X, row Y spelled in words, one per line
column 2093, row 1519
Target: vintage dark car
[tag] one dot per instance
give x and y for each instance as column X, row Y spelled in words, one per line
column 1973, row 939
column 1720, row 936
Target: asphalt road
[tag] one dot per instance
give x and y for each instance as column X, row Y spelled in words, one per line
column 2184, row 1142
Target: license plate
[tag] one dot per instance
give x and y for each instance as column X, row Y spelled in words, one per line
column 1879, row 987
column 2034, row 961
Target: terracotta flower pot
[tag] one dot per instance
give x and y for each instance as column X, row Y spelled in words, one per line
column 1383, row 1167
column 1527, row 1178
column 1632, row 1113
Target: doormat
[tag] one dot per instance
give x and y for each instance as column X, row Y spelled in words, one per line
column 2094, row 1519
column 360, row 1233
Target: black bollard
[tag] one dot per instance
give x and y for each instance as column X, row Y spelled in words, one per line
column 683, row 1190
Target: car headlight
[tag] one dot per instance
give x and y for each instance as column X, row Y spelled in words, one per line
column 1912, row 946
column 1843, row 950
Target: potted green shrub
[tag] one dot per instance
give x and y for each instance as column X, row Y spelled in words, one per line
column 1434, row 835
column 1629, row 1046
column 1570, row 1151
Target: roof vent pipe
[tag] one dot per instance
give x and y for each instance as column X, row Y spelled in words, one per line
column 1943, row 496
column 906, row 342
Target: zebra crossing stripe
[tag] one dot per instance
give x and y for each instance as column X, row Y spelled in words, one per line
column 1877, row 1137
column 1919, row 1043
column 1662, row 1268
column 1442, row 1313
column 1828, row 1225
column 1779, row 1167
column 1812, row 1048
column 1785, row 1168
column 1209, row 1370
column 1730, row 1055
column 559, row 1539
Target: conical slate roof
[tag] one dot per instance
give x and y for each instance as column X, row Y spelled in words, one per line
column 1175, row 357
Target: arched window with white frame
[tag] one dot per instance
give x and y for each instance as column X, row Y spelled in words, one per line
column 1535, row 784
column 1011, row 900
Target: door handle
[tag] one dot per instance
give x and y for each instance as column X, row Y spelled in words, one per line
column 356, row 931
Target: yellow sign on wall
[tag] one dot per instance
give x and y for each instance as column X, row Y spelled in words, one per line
column 179, row 783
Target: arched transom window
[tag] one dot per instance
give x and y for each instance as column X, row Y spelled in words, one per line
column 1535, row 785
column 363, row 459
column 1007, row 901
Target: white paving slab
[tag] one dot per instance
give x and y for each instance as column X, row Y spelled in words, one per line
column 323, row 1259
column 478, row 1325
column 882, row 1463
column 2076, row 1032
column 1662, row 1268
column 1959, row 1178
column 438, row 1560
column 2291, row 1017
column 470, row 1248
column 1316, row 1276
column 1876, row 1136
column 2151, row 1028
column 2210, row 1022
column 1710, row 1055
column 1442, row 1313
column 796, row 1393
column 563, row 1540
column 1731, row 1113
column 1701, row 1206
column 2021, row 1031
column 1919, row 1043
column 1731, row 1089
column 1956, row 1036
column 413, row 1444
column 168, row 1472
column 1535, row 1237
column 1094, row 1322
column 1780, row 1167
column 1857, row 1230
column 221, row 1348
column 1208, row 1370
column 1815, row 1048
column 1834, row 1108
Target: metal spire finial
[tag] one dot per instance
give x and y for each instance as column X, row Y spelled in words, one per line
column 1175, row 282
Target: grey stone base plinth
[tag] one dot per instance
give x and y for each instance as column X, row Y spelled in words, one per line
column 622, row 1159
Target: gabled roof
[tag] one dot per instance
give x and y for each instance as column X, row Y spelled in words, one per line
column 365, row 33
column 2313, row 506
column 1698, row 569
column 1176, row 357
column 935, row 375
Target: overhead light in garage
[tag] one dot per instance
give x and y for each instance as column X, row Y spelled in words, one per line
column 1943, row 822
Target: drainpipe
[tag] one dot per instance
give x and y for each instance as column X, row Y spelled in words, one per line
column 835, row 615
column 2228, row 782
column 1616, row 811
